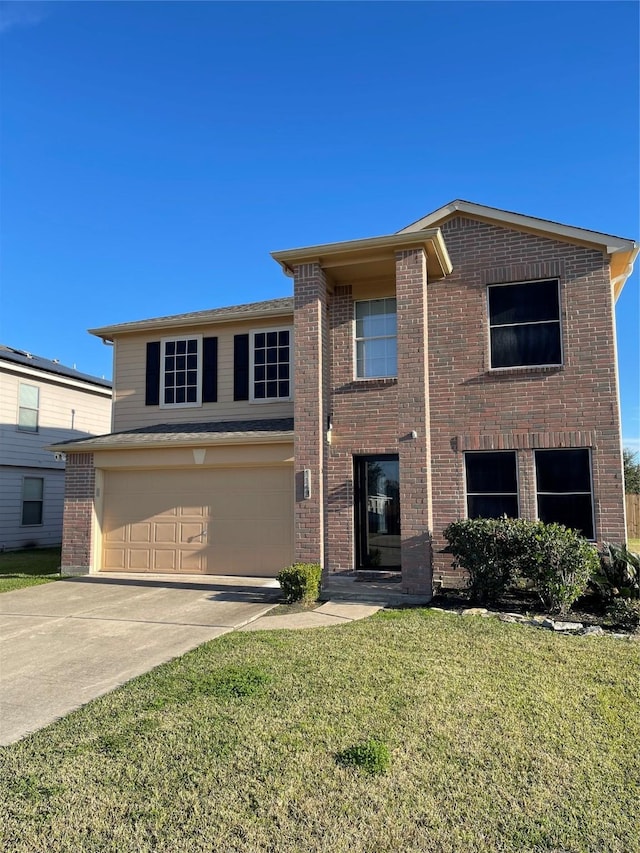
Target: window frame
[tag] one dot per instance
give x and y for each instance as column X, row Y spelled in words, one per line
column 491, row 326
column 163, row 356
column 23, row 500
column 467, row 494
column 357, row 339
column 252, row 365
column 590, row 493
column 21, row 408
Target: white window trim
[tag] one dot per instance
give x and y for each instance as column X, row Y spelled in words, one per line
column 464, row 476
column 260, row 401
column 535, row 323
column 355, row 340
column 175, row 338
column 22, row 501
column 28, row 409
column 594, row 538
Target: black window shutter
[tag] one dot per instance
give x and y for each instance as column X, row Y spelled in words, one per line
column 152, row 383
column 209, row 370
column 241, row 367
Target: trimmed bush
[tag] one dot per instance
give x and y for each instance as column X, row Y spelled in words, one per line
column 301, row 582
column 497, row 552
column 372, row 757
column 493, row 551
column 563, row 564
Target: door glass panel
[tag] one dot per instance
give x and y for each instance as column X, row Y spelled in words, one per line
column 378, row 512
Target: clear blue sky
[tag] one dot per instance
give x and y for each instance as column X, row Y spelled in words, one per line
column 153, row 154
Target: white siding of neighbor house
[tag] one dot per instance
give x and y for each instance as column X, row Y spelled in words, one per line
column 129, row 409
column 67, row 409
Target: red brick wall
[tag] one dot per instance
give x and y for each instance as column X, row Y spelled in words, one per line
column 310, row 409
column 78, row 513
column 474, row 408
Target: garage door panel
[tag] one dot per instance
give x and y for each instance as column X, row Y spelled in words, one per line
column 207, row 521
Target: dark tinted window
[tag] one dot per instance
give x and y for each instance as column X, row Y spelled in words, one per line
column 564, row 489
column 525, row 324
column 492, row 486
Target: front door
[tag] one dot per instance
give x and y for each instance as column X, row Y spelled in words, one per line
column 377, row 521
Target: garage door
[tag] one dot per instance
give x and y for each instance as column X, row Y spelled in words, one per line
column 210, row 521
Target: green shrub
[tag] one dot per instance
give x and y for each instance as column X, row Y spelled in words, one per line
column 493, row 551
column 617, row 574
column 562, row 564
column 625, row 612
column 372, row 756
column 301, row 582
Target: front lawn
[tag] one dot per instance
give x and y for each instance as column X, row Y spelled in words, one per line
column 501, row 738
column 29, row 567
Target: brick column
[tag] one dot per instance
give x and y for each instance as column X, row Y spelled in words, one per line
column 310, row 409
column 79, row 489
column 413, row 415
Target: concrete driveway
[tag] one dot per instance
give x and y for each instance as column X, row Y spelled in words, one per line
column 64, row 643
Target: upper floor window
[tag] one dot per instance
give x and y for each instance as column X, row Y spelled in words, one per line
column 181, row 368
column 564, row 491
column 524, row 324
column 32, row 500
column 28, row 405
column 492, row 484
column 271, row 375
column 376, row 338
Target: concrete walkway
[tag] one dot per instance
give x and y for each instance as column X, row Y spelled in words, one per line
column 65, row 643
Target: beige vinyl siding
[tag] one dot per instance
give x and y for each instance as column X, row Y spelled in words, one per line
column 64, row 412
column 12, row 533
column 130, row 410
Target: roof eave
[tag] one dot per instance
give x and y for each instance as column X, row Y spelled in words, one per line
column 86, row 445
column 431, row 239
column 108, row 333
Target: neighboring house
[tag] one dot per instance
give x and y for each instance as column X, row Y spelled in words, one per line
column 463, row 366
column 41, row 402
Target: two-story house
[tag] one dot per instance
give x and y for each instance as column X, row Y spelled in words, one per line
column 41, row 402
column 463, row 366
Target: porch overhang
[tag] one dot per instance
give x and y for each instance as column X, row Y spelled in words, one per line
column 369, row 259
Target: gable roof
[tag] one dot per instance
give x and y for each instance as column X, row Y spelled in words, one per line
column 622, row 251
column 37, row 362
column 250, row 310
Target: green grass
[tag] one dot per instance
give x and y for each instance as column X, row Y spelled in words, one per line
column 500, row 738
column 30, row 567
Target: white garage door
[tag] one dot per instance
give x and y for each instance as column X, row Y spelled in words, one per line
column 211, row 521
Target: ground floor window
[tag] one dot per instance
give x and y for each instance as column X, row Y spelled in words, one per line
column 377, row 505
column 32, row 500
column 564, row 488
column 491, row 484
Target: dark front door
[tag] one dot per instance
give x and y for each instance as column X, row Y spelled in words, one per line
column 377, row 522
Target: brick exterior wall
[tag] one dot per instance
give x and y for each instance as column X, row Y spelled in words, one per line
column 473, row 408
column 78, row 513
column 310, row 409
column 465, row 405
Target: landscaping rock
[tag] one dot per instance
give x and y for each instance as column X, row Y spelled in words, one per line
column 593, row 631
column 475, row 611
column 509, row 617
column 619, row 636
column 567, row 626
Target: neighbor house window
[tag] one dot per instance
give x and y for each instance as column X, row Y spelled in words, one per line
column 271, row 360
column 492, row 484
column 376, row 338
column 564, row 490
column 181, row 366
column 28, row 404
column 524, row 324
column 32, row 498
